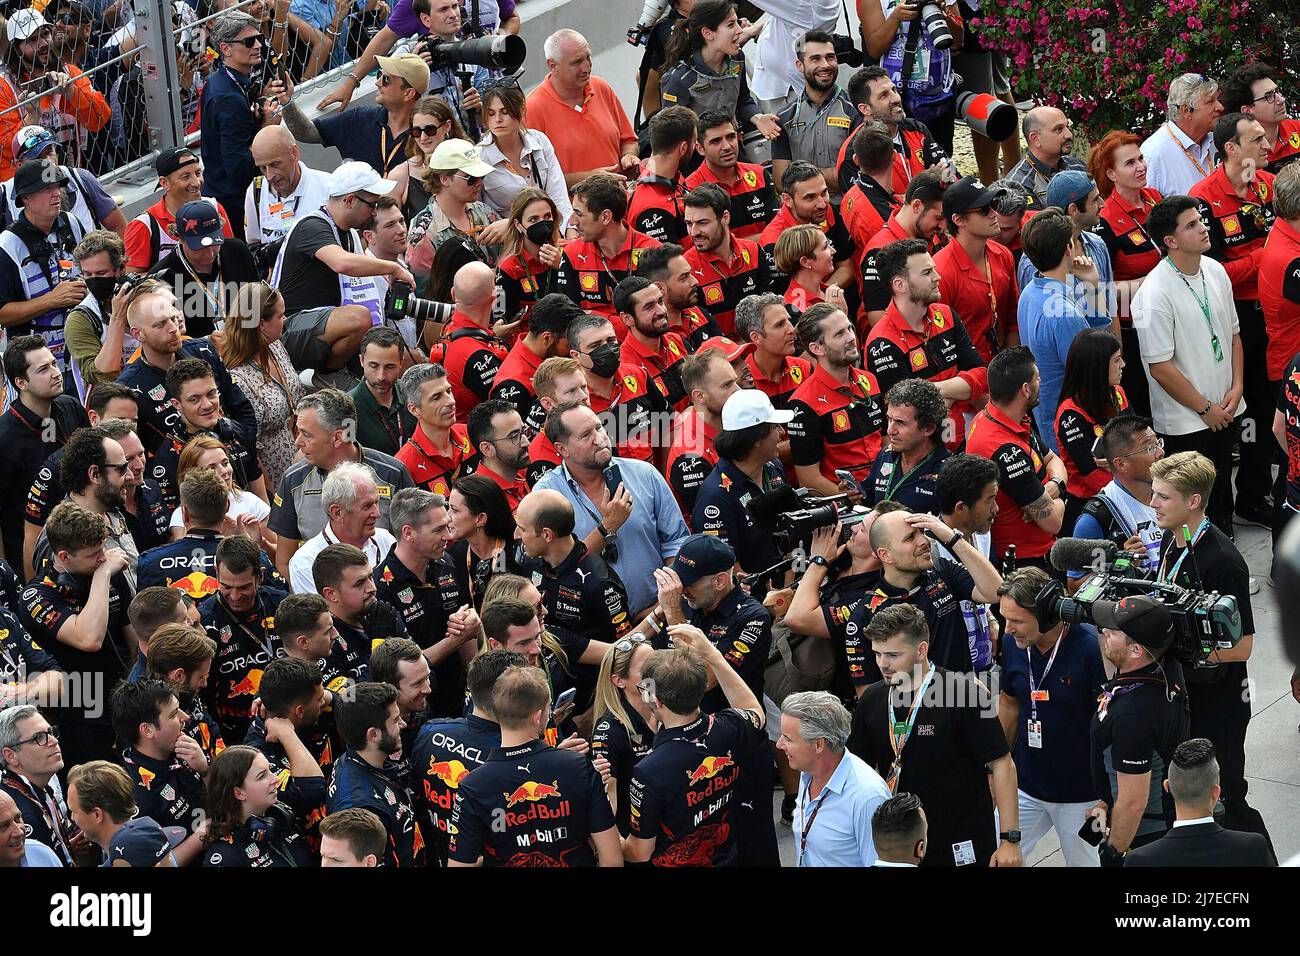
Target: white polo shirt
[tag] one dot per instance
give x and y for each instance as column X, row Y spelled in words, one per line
column 300, row 577
column 273, row 215
column 1174, row 163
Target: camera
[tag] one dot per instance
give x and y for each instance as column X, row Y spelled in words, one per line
column 651, row 11
column 402, row 303
column 500, row 51
column 795, row 514
column 1203, row 622
column 265, row 253
column 936, row 27
column 846, row 51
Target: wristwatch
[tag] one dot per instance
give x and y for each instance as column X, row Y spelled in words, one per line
column 818, row 560
column 1010, row 836
column 956, row 539
column 604, row 532
column 1060, row 485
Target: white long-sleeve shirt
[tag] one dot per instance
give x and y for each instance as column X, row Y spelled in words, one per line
column 775, row 73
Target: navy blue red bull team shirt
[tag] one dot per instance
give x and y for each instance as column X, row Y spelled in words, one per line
column 444, row 754
column 914, row 487
column 202, row 725
column 165, row 460
column 189, row 564
column 425, row 610
column 531, row 805
column 684, row 793
column 623, row 747
column 305, row 795
column 741, row 629
column 356, row 783
column 257, row 843
column 721, row 508
column 837, row 426
column 21, row 658
column 246, row 643
column 168, row 790
column 585, row 596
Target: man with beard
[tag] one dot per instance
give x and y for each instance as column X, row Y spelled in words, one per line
column 817, row 122
column 285, row 190
column 919, row 217
column 668, row 268
column 70, row 106
column 838, row 419
column 919, row 337
column 544, row 339
column 709, row 379
column 1031, row 478
column 345, row 577
column 650, row 345
column 497, row 433
column 655, row 204
column 557, row 380
column 747, row 186
column 152, row 234
column 400, row 662
column 99, row 343
column 1050, row 136
column 727, row 267
column 806, row 200
column 204, row 268
column 925, row 730
column 915, row 149
column 371, row 724
column 383, row 423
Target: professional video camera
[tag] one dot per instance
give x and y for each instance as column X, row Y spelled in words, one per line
column 1202, row 621
column 794, row 514
column 500, row 51
column 846, row 51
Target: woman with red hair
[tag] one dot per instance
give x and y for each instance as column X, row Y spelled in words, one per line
column 1117, row 167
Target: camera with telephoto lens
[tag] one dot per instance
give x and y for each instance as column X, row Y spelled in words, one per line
column 846, row 50
column 1203, row 622
column 936, row 27
column 793, row 515
column 651, row 11
column 401, row 302
column 498, row 51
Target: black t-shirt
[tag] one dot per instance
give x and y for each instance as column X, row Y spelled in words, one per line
column 200, row 305
column 623, row 748
column 838, row 598
column 27, row 444
column 954, row 738
column 531, row 805
column 305, row 281
column 741, row 629
column 245, row 645
column 914, row 488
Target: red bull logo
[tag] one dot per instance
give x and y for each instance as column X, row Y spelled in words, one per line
column 450, row 772
column 196, row 584
column 146, row 777
column 709, row 767
column 248, row 685
column 533, row 792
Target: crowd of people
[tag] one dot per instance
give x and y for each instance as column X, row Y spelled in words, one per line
column 535, row 489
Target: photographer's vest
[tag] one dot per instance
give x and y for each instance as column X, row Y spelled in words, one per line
column 353, row 290
column 67, row 132
column 927, row 90
column 277, row 214
column 76, row 202
column 708, row 90
column 89, row 307
column 43, row 262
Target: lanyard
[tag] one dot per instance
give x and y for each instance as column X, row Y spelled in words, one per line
column 1033, row 687
column 896, row 482
column 203, row 286
column 807, row 827
column 1203, row 300
column 1172, row 574
column 385, row 154
column 831, row 98
column 497, row 548
column 50, row 811
column 993, row 306
column 900, row 731
column 263, row 641
column 1188, row 153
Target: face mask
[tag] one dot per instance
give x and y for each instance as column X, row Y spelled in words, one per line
column 101, row 287
column 605, row 360
column 539, row 233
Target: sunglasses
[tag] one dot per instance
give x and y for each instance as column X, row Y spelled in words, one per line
column 120, row 469
column 385, row 80
column 625, row 645
column 508, row 83
column 469, row 180
column 248, row 42
column 427, row 130
column 372, row 204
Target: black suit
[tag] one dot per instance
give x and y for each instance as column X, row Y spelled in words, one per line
column 1203, row 844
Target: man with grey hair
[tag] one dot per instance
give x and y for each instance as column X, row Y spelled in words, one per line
column 580, row 113
column 1181, row 152
column 1196, row 839
column 439, row 450
column 326, row 436
column 906, row 471
column 349, row 496
column 838, row 791
column 1050, row 137
column 764, row 321
column 232, row 110
column 30, row 761
column 1009, row 208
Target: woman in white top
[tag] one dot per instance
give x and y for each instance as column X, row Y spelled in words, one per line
column 520, row 157
column 247, row 513
column 433, row 121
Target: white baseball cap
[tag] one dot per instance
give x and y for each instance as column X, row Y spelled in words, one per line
column 358, row 177
column 749, row 407
column 458, row 155
column 25, row 24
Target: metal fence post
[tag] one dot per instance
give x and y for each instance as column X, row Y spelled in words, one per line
column 153, row 26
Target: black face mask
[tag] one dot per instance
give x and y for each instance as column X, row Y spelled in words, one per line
column 101, row 287
column 605, row 360
column 539, row 233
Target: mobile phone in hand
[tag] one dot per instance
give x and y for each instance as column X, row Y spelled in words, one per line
column 613, row 478
column 1090, row 832
column 565, row 699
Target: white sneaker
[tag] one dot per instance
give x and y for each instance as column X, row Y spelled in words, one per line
column 308, row 379
column 1254, row 585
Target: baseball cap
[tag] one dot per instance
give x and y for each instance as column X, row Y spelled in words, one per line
column 1068, row 186
column 734, row 351
column 34, row 175
column 460, row 155
column 702, row 555
column 409, row 67
column 173, row 158
column 143, row 843
column 24, row 24
column 968, row 193
column 749, row 407
column 358, row 177
column 198, row 223
column 1144, row 619
column 31, row 141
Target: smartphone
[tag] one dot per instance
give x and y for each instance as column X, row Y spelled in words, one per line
column 613, row 478
column 565, row 699
column 1090, row 832
column 844, row 475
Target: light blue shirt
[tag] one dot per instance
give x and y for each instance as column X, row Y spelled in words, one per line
column 1095, row 246
column 840, row 833
column 652, row 534
column 39, row 855
column 1048, row 323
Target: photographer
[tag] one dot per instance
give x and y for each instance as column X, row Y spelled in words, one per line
column 99, row 343
column 68, row 106
column 235, row 104
column 1141, row 718
column 285, row 188
column 85, row 198
column 929, row 85
column 205, row 269
column 421, row 318
column 1195, row 554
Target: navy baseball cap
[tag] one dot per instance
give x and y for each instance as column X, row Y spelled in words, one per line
column 968, row 193
column 1069, row 186
column 702, row 555
column 143, row 843
column 1144, row 619
column 198, row 224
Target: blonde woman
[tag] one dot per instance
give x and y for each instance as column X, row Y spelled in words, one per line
column 433, row 121
column 806, row 255
column 247, row 513
column 624, row 725
column 259, row 364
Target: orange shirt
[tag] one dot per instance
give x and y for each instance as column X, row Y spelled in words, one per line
column 586, row 138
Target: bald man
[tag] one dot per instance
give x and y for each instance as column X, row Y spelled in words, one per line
column 285, row 189
column 1050, row 137
column 912, row 574
column 581, row 593
column 472, row 354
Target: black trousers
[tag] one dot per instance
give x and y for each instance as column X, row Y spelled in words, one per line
column 1216, row 446
column 1258, row 447
column 1221, row 713
column 1134, row 376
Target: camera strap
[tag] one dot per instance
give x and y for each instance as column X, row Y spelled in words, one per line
column 910, row 48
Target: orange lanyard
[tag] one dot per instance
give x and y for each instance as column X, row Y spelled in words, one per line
column 1186, row 152
column 993, row 305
